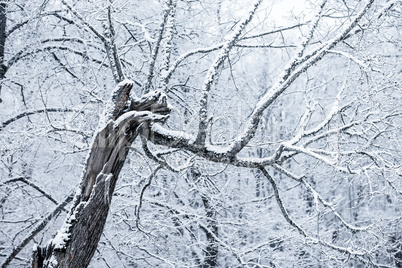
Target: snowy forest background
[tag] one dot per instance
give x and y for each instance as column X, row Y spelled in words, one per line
column 282, row 149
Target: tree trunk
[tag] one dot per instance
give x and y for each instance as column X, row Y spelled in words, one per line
column 75, row 243
column 212, row 250
column 3, row 37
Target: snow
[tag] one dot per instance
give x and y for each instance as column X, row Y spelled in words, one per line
column 107, row 187
column 125, row 117
column 217, row 150
column 173, row 133
column 53, row 262
column 122, row 83
column 63, row 235
column 147, row 35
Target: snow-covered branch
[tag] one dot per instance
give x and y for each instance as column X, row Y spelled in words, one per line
column 155, row 51
column 213, row 72
column 291, row 73
column 39, row 111
column 167, row 43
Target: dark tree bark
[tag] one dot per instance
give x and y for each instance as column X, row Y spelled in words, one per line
column 3, row 37
column 212, row 249
column 3, row 34
column 75, row 243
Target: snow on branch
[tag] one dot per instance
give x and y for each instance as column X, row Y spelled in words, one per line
column 39, row 227
column 290, row 74
column 155, row 50
column 177, row 62
column 167, row 46
column 81, row 18
column 38, row 111
column 358, row 255
column 213, row 72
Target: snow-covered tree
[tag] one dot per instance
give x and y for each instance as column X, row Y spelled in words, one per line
column 216, row 133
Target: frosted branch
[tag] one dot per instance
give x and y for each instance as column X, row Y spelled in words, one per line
column 167, row 45
column 81, row 18
column 38, row 111
column 331, row 207
column 213, row 72
column 290, row 74
column 155, row 50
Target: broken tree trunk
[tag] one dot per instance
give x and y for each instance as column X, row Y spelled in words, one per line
column 75, row 243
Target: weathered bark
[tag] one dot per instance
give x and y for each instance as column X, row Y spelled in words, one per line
column 76, row 242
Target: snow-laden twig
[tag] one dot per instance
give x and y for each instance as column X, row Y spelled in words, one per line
column 326, row 204
column 310, row 35
column 280, row 30
column 334, row 111
column 319, row 157
column 362, row 64
column 147, row 35
column 303, row 124
column 138, row 209
column 184, row 56
column 280, row 203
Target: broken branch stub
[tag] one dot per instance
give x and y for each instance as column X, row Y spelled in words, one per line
column 76, row 242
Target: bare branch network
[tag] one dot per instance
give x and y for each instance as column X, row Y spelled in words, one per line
column 228, row 133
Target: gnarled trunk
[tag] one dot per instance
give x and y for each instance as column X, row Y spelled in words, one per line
column 76, row 242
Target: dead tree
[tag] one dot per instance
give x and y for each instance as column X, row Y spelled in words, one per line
column 76, row 242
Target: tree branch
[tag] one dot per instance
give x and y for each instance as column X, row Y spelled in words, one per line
column 39, row 111
column 213, row 72
column 39, row 227
column 291, row 73
column 155, row 50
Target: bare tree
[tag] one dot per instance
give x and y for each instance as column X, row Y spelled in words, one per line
column 294, row 124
